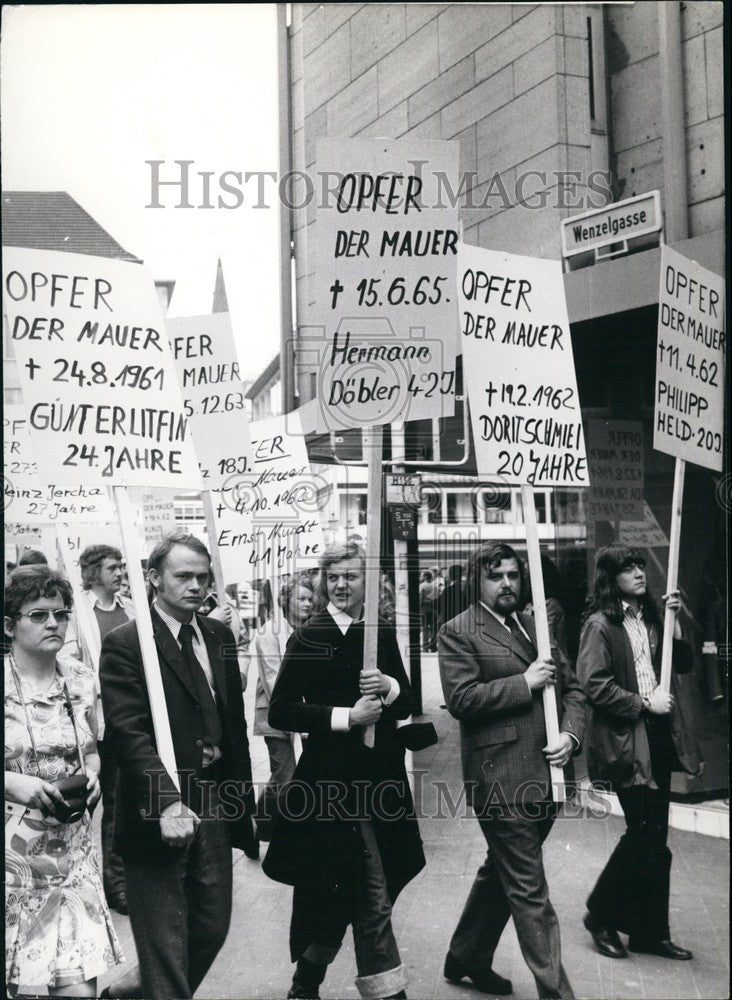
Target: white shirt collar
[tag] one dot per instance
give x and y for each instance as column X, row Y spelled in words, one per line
column 342, row 619
column 628, row 607
column 175, row 626
column 500, row 618
column 94, row 600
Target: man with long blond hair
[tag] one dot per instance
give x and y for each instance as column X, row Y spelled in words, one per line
column 346, row 838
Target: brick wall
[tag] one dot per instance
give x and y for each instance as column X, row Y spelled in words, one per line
column 633, row 69
column 509, row 82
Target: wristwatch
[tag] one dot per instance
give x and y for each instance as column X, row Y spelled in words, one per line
column 646, row 710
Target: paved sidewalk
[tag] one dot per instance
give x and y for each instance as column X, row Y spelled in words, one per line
column 255, row 961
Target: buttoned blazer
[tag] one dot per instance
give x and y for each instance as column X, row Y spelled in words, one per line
column 618, row 752
column 145, row 787
column 502, row 724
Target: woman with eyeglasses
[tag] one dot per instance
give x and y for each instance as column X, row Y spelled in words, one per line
column 58, row 930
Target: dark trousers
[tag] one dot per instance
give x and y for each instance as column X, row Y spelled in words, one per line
column 380, row 969
column 632, row 893
column 282, row 767
column 511, row 883
column 112, row 868
column 180, row 908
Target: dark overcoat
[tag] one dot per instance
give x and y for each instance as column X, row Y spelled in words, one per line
column 145, row 787
column 618, row 753
column 338, row 780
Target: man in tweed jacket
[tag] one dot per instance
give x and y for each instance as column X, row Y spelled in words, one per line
column 493, row 681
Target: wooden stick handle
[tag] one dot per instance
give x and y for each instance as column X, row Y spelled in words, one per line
column 669, row 618
column 543, row 641
column 216, row 567
column 151, row 666
column 373, row 441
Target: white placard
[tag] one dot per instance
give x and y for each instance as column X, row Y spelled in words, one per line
column 519, row 369
column 615, row 456
column 80, row 537
column 646, row 533
column 30, row 499
column 385, row 339
column 213, row 395
column 689, row 411
column 96, row 371
column 32, row 536
column 158, row 515
column 16, row 533
column 268, row 521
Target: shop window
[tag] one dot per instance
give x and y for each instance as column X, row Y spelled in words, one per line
column 452, row 508
column 494, row 506
column 434, row 508
column 541, row 507
column 567, row 507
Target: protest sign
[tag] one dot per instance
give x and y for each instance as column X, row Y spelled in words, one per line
column 158, row 515
column 386, row 236
column 689, row 402
column 615, row 457
column 524, row 404
column 519, row 369
column 645, row 533
column 31, row 536
column 96, row 371
column 80, row 537
column 267, row 520
column 30, row 499
column 213, row 395
column 23, row 535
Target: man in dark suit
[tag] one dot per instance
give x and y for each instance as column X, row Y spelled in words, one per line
column 346, row 836
column 176, row 845
column 493, row 683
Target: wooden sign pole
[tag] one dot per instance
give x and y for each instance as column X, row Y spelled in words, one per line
column 216, row 568
column 669, row 619
column 153, row 679
column 542, row 631
column 373, row 442
column 401, row 574
column 87, row 632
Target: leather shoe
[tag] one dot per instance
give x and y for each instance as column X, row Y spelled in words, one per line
column 606, row 939
column 486, row 982
column 666, row 949
column 118, row 901
column 303, row 993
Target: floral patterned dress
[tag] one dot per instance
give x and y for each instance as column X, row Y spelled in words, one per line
column 58, row 931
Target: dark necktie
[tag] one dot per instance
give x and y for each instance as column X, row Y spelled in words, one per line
column 521, row 639
column 211, row 718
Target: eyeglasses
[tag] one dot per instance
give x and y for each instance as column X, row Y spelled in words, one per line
column 61, row 616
